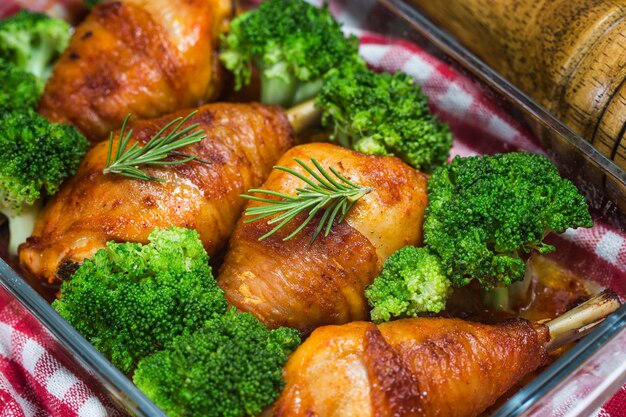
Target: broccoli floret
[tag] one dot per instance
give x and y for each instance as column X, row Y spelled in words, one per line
column 19, row 89
column 411, row 282
column 485, row 213
column 232, row 367
column 36, row 157
column 131, row 299
column 383, row 114
column 33, row 41
column 292, row 44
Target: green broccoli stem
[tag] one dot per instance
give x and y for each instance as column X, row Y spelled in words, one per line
column 286, row 90
column 21, row 225
column 38, row 62
column 277, row 91
column 307, row 90
column 519, row 291
column 498, row 299
column 507, row 298
column 304, row 116
column 581, row 320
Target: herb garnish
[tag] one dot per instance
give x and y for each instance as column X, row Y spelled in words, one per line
column 161, row 146
column 333, row 194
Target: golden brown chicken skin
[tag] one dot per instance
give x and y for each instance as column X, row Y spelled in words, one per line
column 144, row 57
column 243, row 142
column 297, row 284
column 432, row 367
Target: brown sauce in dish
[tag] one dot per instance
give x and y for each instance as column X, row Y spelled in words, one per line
column 553, row 290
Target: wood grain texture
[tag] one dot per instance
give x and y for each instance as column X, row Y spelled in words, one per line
column 569, row 55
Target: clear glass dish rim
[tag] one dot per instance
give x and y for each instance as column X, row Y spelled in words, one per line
column 125, row 392
column 114, row 382
column 565, row 366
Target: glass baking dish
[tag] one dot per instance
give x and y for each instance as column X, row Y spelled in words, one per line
column 602, row 182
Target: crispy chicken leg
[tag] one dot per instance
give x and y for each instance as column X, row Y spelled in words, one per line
column 145, row 57
column 413, row 367
column 243, row 142
column 422, row 367
column 301, row 285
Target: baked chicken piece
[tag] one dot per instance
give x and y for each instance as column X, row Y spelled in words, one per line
column 297, row 284
column 423, row 367
column 412, row 367
column 242, row 143
column 144, row 57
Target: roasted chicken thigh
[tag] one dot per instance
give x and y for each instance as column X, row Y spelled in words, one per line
column 242, row 143
column 297, row 284
column 144, row 57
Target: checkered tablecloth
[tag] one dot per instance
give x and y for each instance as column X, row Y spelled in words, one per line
column 35, row 382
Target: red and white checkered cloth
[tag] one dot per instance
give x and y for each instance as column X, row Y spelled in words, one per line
column 34, row 381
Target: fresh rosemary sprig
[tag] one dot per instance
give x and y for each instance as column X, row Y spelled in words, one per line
column 163, row 145
column 333, row 194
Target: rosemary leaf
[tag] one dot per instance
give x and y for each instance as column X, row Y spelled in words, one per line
column 327, row 192
column 126, row 161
